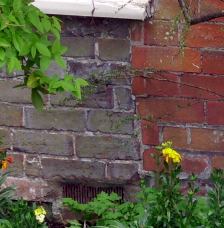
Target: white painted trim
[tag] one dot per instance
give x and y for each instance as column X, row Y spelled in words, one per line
column 126, row 9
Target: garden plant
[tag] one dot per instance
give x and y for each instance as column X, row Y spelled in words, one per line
column 164, row 204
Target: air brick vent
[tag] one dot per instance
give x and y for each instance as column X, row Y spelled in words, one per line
column 84, row 193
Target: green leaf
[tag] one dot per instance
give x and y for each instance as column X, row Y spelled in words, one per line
column 42, row 48
column 2, row 54
column 4, row 43
column 35, row 20
column 81, row 82
column 60, row 61
column 56, row 23
column 44, row 63
column 14, row 64
column 46, row 24
column 37, row 100
column 32, row 82
column 33, row 51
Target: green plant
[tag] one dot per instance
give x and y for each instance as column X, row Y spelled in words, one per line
column 104, row 209
column 162, row 205
column 29, row 42
column 21, row 214
column 216, row 199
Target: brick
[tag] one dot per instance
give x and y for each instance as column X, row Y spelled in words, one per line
column 194, row 7
column 149, row 163
column 72, row 169
column 160, row 33
column 122, row 172
column 139, row 86
column 166, row 9
column 16, row 169
column 79, row 46
column 175, row 110
column 114, row 49
column 101, row 73
column 177, row 135
column 205, row 87
column 210, row 7
column 205, row 35
column 107, row 147
column 218, row 162
column 136, row 31
column 32, row 190
column 55, row 69
column 5, row 138
column 14, row 95
column 208, row 140
column 100, row 27
column 11, row 115
column 194, row 164
column 32, row 166
column 124, row 99
column 73, row 120
column 212, row 62
column 215, row 112
column 162, row 85
column 166, row 58
column 101, row 98
column 43, row 143
column 110, row 122
column 150, row 133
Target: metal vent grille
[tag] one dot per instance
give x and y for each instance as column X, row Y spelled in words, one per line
column 84, row 194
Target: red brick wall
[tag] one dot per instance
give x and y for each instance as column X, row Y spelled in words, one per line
column 182, row 100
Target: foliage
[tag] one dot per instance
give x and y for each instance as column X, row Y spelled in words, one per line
column 21, row 214
column 163, row 205
column 29, row 42
column 104, row 209
column 14, row 214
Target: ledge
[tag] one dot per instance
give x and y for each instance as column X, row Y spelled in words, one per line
column 124, row 9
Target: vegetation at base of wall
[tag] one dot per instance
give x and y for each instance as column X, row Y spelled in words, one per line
column 29, row 42
column 165, row 204
column 16, row 214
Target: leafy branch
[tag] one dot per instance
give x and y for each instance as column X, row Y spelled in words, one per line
column 29, row 42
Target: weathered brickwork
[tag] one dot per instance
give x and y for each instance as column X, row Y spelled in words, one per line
column 88, row 141
column 182, row 100
column 110, row 135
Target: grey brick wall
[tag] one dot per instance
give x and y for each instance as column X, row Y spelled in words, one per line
column 93, row 140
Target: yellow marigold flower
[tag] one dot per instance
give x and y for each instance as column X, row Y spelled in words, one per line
column 4, row 164
column 170, row 154
column 40, row 214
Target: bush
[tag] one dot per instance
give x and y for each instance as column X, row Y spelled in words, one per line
column 163, row 205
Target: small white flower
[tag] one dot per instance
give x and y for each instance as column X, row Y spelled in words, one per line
column 40, row 218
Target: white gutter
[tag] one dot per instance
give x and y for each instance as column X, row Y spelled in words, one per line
column 126, row 9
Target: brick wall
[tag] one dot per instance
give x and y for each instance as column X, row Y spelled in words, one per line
column 182, row 100
column 100, row 139
column 92, row 141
